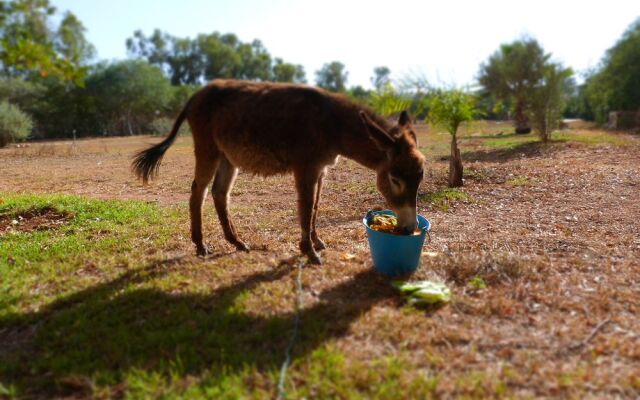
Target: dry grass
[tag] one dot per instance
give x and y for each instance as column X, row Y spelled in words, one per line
column 557, row 254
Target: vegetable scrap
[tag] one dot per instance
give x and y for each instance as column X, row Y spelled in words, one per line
column 388, row 224
column 424, row 292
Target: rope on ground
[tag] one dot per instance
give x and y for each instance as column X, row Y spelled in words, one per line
column 294, row 335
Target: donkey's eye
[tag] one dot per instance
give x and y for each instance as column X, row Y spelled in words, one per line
column 395, row 181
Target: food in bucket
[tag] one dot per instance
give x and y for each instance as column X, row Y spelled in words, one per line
column 388, row 224
column 424, row 292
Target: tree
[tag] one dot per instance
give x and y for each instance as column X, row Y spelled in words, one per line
column 287, row 72
column 127, row 96
column 615, row 85
column 211, row 56
column 332, row 76
column 511, row 73
column 28, row 45
column 70, row 41
column 359, row 94
column 380, row 77
column 180, row 58
column 548, row 99
column 450, row 108
column 255, row 62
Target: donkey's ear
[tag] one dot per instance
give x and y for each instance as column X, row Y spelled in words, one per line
column 413, row 135
column 380, row 137
column 404, row 119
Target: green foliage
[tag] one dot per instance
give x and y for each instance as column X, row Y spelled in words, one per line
column 332, row 76
column 163, row 125
column 14, row 124
column 129, row 95
column 28, row 46
column 548, row 100
column 211, row 56
column 359, row 94
column 181, row 94
column 615, row 86
column 70, row 41
column 512, row 72
column 450, row 108
column 381, row 79
column 21, row 92
column 119, row 98
column 387, row 101
column 287, row 72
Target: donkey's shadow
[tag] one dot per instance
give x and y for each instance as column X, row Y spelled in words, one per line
column 104, row 331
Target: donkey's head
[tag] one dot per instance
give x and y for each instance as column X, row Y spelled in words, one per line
column 402, row 169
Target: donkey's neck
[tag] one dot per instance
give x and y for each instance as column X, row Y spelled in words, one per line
column 356, row 144
column 363, row 151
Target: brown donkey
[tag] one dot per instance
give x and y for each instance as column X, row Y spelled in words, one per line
column 269, row 128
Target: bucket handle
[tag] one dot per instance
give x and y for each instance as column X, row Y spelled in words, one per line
column 428, row 239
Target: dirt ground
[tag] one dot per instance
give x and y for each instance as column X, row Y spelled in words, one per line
column 552, row 230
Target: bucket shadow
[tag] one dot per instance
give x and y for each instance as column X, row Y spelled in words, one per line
column 105, row 331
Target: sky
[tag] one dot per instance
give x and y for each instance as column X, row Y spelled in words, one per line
column 442, row 40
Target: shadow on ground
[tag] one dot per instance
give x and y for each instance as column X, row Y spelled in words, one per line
column 524, row 150
column 109, row 329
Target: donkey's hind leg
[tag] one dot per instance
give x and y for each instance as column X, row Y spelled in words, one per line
column 318, row 244
column 205, row 169
column 222, row 184
column 306, row 185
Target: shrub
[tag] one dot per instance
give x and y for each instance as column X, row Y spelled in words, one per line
column 449, row 109
column 163, row 125
column 14, row 124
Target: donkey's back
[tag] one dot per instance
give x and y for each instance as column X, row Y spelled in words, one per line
column 269, row 128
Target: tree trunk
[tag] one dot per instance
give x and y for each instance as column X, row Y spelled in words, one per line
column 521, row 120
column 455, row 164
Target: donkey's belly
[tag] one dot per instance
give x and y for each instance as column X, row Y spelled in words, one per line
column 260, row 159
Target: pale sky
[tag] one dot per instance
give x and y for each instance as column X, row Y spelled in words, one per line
column 443, row 40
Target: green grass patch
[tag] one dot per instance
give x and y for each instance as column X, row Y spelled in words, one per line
column 477, row 283
column 507, row 141
column 41, row 262
column 445, row 198
column 519, row 180
column 593, row 138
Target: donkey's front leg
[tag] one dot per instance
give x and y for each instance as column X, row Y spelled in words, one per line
column 318, row 244
column 306, row 184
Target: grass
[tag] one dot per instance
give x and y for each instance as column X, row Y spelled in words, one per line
column 38, row 264
column 444, row 199
column 519, row 180
column 593, row 138
column 109, row 301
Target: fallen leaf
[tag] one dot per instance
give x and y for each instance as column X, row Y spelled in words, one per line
column 347, row 256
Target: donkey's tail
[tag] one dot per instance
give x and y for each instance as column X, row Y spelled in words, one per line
column 147, row 162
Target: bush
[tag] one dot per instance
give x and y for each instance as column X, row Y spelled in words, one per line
column 163, row 125
column 14, row 124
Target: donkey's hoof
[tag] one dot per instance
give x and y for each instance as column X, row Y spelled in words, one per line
column 241, row 246
column 318, row 244
column 203, row 251
column 314, row 258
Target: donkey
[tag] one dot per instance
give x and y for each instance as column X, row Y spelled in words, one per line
column 273, row 128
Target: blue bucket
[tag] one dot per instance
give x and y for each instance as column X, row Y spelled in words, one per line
column 395, row 254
